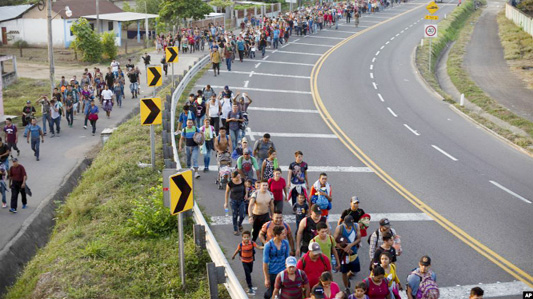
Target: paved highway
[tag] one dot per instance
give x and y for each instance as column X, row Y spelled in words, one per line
column 365, row 92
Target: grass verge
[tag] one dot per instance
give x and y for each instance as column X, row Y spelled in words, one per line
column 458, row 27
column 16, row 95
column 113, row 237
column 460, row 78
column 518, row 48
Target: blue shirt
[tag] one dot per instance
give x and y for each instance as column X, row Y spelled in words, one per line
column 275, row 258
column 35, row 131
column 276, row 33
column 183, row 118
column 240, row 45
column 414, row 280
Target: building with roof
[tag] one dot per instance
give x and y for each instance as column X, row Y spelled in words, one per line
column 29, row 22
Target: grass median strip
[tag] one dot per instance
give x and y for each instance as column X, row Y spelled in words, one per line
column 113, row 237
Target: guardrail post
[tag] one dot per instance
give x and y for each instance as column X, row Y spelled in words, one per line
column 199, row 236
column 215, row 276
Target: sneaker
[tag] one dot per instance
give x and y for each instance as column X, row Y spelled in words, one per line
column 206, row 169
column 196, row 175
column 13, row 211
column 93, row 134
column 44, row 133
column 347, row 291
column 251, row 292
column 24, row 206
column 4, row 205
column 241, row 228
column 37, row 159
column 236, row 233
column 18, row 153
column 254, row 289
column 85, row 127
column 53, row 135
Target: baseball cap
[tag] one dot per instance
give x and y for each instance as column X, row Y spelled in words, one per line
column 316, row 209
column 245, row 151
column 291, row 261
column 354, row 199
column 244, row 139
column 425, row 260
column 14, row 159
column 384, row 222
column 318, row 291
column 348, row 220
column 226, row 87
column 315, row 247
column 28, row 102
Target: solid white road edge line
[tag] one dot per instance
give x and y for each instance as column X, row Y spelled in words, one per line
column 298, row 53
column 283, row 110
column 253, row 73
column 295, row 135
column 343, row 169
column 509, row 191
column 444, row 153
column 412, row 131
column 261, row 89
column 375, row 217
column 286, row 62
column 307, row 44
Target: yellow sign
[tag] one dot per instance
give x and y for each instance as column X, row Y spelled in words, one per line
column 151, row 111
column 430, row 17
column 154, row 76
column 172, row 54
column 181, row 192
column 432, row 7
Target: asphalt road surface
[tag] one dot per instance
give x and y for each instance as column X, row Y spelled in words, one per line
column 380, row 134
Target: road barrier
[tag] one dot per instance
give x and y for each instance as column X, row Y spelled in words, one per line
column 232, row 284
column 519, row 18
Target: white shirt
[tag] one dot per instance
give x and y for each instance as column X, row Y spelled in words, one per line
column 114, row 66
column 226, row 107
column 214, row 108
column 55, row 114
column 107, row 94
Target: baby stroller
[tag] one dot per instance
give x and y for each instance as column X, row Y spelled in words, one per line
column 224, row 169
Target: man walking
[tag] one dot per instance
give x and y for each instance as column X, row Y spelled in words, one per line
column 55, row 117
column 10, row 131
column 17, row 181
column 191, row 147
column 34, row 133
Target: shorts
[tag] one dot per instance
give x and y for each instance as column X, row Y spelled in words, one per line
column 354, row 266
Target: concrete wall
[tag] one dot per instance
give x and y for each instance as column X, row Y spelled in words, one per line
column 519, row 18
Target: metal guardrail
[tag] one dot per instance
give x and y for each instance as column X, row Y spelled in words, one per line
column 232, row 283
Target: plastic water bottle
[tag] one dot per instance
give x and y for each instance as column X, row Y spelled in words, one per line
column 227, row 212
column 334, row 263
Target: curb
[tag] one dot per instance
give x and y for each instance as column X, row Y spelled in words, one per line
column 35, row 231
column 461, row 113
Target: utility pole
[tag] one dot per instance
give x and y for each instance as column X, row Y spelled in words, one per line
column 98, row 16
column 50, row 47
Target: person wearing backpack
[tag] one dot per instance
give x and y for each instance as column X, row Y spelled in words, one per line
column 234, row 119
column 307, row 229
column 291, row 282
column 267, row 230
column 314, row 263
column 187, row 136
column 327, row 244
column 422, row 282
column 377, row 284
column 348, row 232
column 376, row 238
column 275, row 253
column 246, row 249
column 320, row 190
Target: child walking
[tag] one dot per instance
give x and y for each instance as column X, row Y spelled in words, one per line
column 246, row 249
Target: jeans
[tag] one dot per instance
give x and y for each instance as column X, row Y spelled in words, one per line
column 134, row 86
column 248, row 268
column 57, row 122
column 46, row 120
column 16, row 187
column 192, row 152
column 70, row 118
column 119, row 99
column 6, row 164
column 3, row 188
column 216, row 68
column 234, row 134
column 200, row 121
column 209, row 145
column 275, row 42
column 35, row 146
column 268, row 293
column 228, row 63
column 93, row 124
column 241, row 55
column 263, row 49
column 237, row 207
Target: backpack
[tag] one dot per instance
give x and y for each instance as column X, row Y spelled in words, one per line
column 428, row 288
column 321, row 258
column 368, row 282
column 253, row 249
column 198, row 138
column 322, row 202
column 298, row 273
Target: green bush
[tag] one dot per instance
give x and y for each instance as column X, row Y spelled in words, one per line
column 109, row 47
column 87, row 42
column 150, row 217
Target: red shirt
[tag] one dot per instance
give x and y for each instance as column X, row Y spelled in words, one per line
column 276, row 187
column 314, row 269
column 17, row 173
column 377, row 291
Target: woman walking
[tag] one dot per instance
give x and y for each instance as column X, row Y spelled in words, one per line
column 269, row 164
column 209, row 144
column 235, row 190
column 92, row 115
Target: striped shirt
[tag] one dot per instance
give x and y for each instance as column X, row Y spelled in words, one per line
column 246, row 252
column 291, row 288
